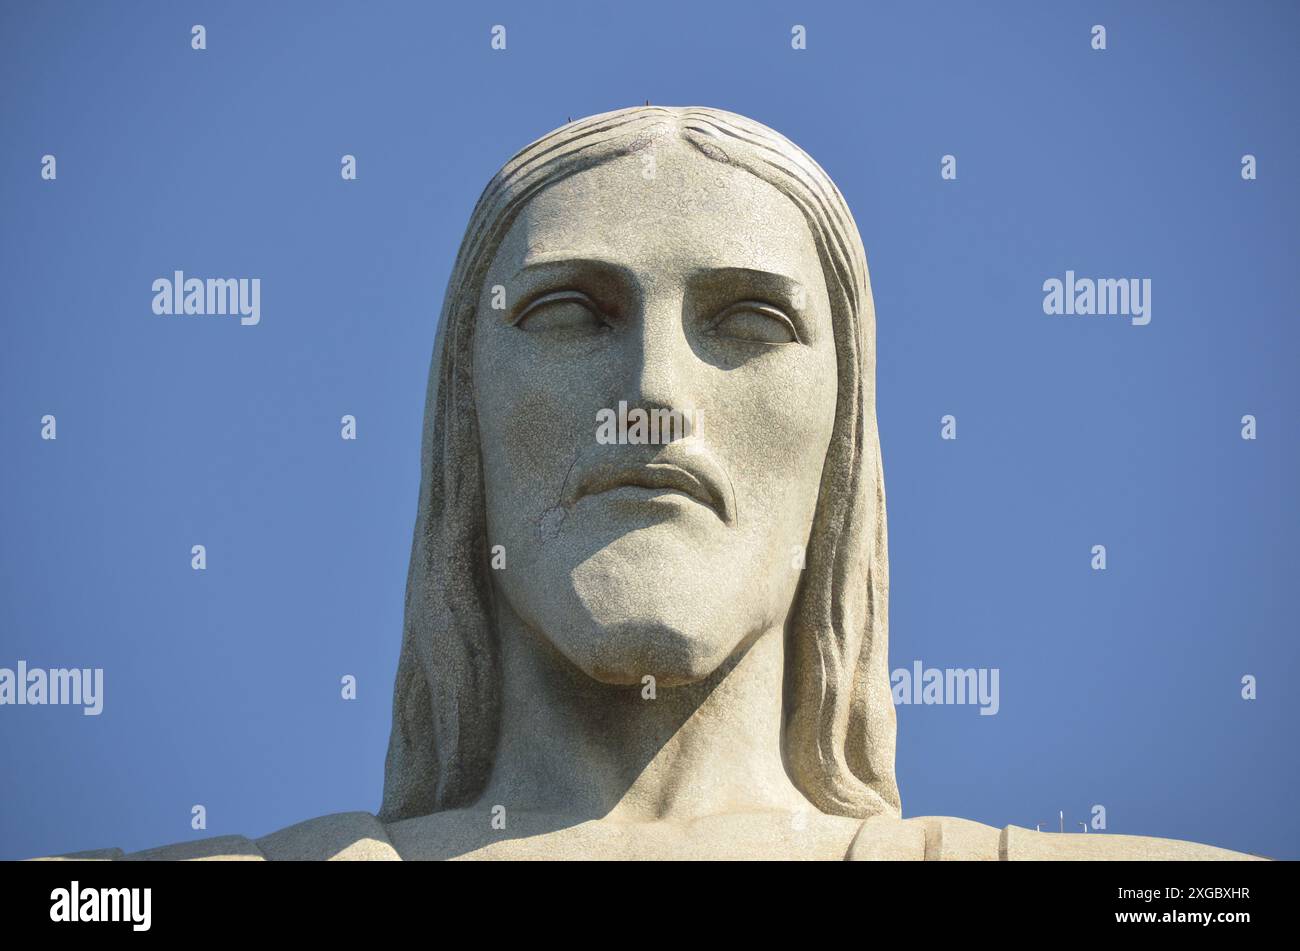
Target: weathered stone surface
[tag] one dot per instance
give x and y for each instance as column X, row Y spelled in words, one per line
column 357, row 836
column 1028, row 845
column 225, row 847
column 942, row 838
column 90, row 855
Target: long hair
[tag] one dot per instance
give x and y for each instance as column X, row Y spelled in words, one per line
column 839, row 725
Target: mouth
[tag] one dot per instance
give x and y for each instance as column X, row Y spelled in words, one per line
column 657, row 478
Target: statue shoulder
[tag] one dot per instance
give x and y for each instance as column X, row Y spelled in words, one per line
column 1020, row 844
column 343, row 835
column 946, row 838
column 887, row 838
column 229, row 847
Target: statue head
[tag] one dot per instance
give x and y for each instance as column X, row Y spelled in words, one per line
column 650, row 432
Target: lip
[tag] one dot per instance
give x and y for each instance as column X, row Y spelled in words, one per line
column 686, row 477
column 655, row 475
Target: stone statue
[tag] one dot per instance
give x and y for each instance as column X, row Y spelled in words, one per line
column 621, row 643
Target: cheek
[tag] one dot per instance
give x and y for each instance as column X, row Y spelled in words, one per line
column 532, row 419
column 777, row 424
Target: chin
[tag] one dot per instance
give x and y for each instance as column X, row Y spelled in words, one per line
column 625, row 653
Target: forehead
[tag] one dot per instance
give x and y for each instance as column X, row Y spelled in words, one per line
column 667, row 207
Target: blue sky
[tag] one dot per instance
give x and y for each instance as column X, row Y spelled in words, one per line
column 1120, row 687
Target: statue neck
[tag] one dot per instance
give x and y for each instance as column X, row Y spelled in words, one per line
column 575, row 747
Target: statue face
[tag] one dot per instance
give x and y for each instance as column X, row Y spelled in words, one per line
column 684, row 285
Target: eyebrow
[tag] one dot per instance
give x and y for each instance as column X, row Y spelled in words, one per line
column 562, row 261
column 769, row 282
column 557, row 261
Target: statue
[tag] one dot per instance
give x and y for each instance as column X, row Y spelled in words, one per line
column 621, row 643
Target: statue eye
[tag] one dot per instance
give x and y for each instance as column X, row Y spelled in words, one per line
column 756, row 322
column 562, row 311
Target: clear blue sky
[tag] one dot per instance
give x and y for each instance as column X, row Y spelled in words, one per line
column 1119, row 688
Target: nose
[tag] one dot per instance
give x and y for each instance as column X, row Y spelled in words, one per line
column 664, row 362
